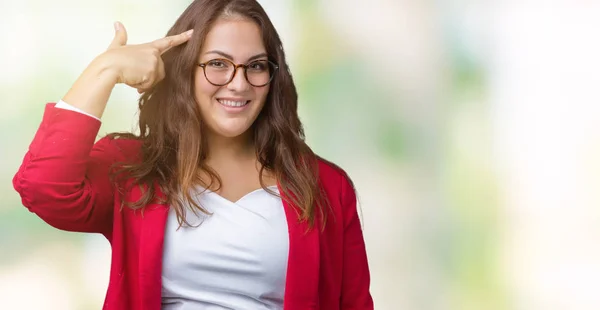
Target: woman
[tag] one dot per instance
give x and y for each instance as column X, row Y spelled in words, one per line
column 218, row 203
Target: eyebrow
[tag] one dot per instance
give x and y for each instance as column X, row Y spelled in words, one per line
column 231, row 57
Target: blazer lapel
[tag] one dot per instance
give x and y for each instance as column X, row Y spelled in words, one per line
column 302, row 279
column 150, row 255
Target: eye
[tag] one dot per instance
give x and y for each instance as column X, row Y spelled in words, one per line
column 217, row 64
column 258, row 66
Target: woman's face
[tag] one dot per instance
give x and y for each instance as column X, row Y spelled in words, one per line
column 230, row 110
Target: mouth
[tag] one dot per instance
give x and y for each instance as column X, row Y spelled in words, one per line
column 233, row 103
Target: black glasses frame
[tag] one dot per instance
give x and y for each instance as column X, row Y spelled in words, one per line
column 235, row 70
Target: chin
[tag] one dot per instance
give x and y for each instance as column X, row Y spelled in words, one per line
column 230, row 132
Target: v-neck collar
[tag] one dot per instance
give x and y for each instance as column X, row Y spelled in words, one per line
column 208, row 191
column 302, row 276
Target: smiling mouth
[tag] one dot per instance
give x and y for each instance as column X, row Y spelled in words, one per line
column 233, row 103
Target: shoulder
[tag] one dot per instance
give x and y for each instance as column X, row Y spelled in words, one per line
column 334, row 179
column 121, row 147
column 330, row 172
column 340, row 192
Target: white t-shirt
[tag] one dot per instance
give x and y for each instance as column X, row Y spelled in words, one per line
column 235, row 258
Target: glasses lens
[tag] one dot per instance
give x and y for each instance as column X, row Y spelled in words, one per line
column 218, row 71
column 260, row 72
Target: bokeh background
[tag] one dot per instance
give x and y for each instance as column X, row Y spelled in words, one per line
column 470, row 127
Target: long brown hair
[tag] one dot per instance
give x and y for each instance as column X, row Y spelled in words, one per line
column 173, row 148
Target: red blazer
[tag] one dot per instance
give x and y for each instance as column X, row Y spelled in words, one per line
column 64, row 180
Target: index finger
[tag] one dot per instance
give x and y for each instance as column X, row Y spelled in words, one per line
column 167, row 43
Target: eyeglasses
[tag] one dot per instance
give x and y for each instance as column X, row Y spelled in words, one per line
column 220, row 72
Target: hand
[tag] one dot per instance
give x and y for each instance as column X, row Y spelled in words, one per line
column 140, row 66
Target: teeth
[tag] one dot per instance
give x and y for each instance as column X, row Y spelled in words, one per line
column 233, row 103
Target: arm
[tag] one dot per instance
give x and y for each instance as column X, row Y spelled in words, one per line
column 64, row 177
column 356, row 277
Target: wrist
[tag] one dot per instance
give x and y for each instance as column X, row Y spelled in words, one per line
column 105, row 68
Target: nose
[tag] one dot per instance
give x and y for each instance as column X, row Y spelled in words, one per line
column 239, row 82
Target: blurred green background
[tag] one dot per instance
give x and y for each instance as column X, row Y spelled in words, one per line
column 470, row 128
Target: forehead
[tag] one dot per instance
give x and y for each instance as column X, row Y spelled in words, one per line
column 240, row 38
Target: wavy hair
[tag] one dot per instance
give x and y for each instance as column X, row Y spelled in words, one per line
column 173, row 148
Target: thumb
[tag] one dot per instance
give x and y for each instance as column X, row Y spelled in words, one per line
column 120, row 38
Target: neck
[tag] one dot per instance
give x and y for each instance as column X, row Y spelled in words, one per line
column 236, row 148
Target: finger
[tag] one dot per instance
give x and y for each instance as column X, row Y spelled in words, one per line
column 167, row 43
column 145, row 84
column 140, row 85
column 160, row 70
column 140, row 88
column 120, row 38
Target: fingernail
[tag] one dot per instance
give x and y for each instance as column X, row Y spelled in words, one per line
column 189, row 32
column 117, row 26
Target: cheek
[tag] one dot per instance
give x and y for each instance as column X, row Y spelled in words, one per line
column 262, row 94
column 203, row 90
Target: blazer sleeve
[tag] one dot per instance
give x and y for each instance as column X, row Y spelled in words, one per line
column 64, row 176
column 355, row 276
